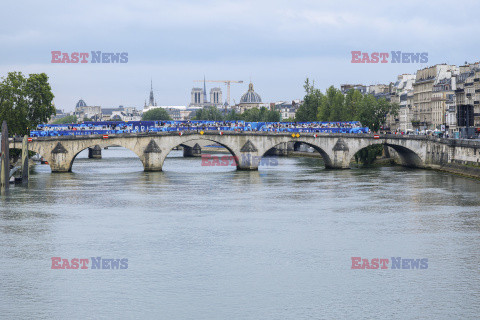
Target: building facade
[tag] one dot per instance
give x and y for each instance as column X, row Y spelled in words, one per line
column 423, row 88
column 359, row 87
column 451, row 115
column 402, row 94
column 287, row 109
column 121, row 113
column 216, row 96
column 441, row 93
column 199, row 97
column 82, row 111
column 467, row 100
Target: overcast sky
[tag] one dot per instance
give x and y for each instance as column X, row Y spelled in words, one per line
column 276, row 44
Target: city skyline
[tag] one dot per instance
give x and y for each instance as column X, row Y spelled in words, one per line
column 246, row 84
column 275, row 44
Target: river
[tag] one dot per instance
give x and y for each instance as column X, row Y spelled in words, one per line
column 208, row 242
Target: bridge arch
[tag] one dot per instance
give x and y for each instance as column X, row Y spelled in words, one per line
column 102, row 144
column 325, row 156
column 45, row 153
column 409, row 157
column 182, row 141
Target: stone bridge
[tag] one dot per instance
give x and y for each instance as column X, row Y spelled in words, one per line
column 248, row 148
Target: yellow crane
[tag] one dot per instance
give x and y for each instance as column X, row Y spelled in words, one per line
column 226, row 82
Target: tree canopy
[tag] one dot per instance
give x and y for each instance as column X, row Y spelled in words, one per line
column 156, row 114
column 209, row 113
column 252, row 115
column 25, row 102
column 335, row 106
column 260, row 115
column 67, row 119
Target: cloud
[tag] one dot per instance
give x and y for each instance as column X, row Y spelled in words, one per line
column 278, row 43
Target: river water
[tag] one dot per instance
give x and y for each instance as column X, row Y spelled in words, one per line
column 207, row 242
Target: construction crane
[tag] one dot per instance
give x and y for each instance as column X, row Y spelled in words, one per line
column 226, row 82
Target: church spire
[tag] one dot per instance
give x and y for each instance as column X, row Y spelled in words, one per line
column 151, row 101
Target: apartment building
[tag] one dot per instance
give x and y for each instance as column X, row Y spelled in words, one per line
column 423, row 89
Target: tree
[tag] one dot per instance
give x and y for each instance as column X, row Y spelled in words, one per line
column 209, row 113
column 67, row 119
column 233, row 116
column 333, row 107
column 261, row 115
column 311, row 102
column 25, row 102
column 373, row 112
column 156, row 114
column 273, row 116
column 353, row 100
column 368, row 154
column 251, row 115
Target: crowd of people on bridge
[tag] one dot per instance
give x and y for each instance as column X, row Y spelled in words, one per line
column 114, row 127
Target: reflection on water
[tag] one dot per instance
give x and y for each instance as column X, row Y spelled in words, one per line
column 215, row 243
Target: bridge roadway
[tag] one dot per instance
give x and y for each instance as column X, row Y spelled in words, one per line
column 337, row 149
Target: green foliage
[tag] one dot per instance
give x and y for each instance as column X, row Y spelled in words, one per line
column 251, row 115
column 209, row 113
column 373, row 111
column 233, row 115
column 312, row 101
column 156, row 114
column 67, row 119
column 273, row 116
column 25, row 102
column 335, row 106
column 368, row 155
column 260, row 115
column 353, row 101
column 332, row 108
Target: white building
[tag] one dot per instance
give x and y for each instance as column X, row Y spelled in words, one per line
column 403, row 95
column 82, row 111
column 287, row 109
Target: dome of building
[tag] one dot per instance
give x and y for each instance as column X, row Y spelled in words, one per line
column 80, row 104
column 250, row 96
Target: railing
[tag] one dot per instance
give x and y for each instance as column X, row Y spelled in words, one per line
column 99, row 133
column 152, row 126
